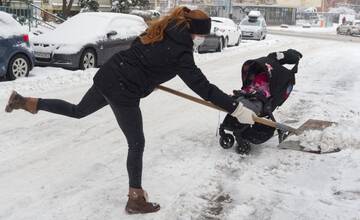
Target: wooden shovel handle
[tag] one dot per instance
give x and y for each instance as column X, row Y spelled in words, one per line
column 274, row 124
column 189, row 97
column 259, row 120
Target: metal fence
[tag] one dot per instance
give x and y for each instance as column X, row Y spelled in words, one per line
column 28, row 14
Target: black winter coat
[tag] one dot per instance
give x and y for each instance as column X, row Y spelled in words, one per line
column 138, row 70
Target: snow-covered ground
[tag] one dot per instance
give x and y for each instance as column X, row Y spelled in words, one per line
column 53, row 167
column 313, row 30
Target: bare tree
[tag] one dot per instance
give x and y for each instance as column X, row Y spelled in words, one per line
column 66, row 7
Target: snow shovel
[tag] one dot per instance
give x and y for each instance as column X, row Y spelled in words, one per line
column 311, row 124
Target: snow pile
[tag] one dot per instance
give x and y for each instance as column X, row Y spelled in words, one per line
column 341, row 135
column 44, row 79
column 9, row 26
column 299, row 29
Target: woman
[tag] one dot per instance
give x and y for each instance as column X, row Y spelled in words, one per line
column 162, row 52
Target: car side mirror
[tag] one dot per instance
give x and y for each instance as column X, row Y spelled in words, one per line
column 111, row 33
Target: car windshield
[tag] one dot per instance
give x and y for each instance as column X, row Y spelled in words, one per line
column 250, row 23
column 216, row 21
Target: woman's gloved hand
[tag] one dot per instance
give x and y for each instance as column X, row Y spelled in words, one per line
column 243, row 114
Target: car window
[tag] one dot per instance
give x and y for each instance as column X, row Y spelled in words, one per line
column 127, row 28
column 216, row 21
column 247, row 22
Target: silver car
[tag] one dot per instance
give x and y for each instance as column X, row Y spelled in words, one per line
column 355, row 28
column 253, row 28
column 344, row 28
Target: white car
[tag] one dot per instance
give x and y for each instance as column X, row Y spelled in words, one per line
column 253, row 26
column 87, row 39
column 227, row 30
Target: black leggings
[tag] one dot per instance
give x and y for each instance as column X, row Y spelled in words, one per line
column 128, row 118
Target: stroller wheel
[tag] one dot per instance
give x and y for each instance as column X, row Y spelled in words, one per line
column 227, row 141
column 243, row 147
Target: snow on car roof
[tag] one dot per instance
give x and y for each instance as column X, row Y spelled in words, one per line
column 84, row 26
column 254, row 14
column 110, row 15
column 9, row 26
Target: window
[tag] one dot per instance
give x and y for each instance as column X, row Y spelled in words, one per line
column 127, row 28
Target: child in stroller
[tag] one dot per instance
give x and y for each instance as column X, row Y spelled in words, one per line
column 266, row 85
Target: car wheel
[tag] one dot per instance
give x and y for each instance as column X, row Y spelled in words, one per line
column 88, row 59
column 238, row 42
column 348, row 32
column 19, row 66
column 226, row 42
column 264, row 37
column 220, row 45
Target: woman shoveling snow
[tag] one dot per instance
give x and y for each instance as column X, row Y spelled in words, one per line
column 162, row 52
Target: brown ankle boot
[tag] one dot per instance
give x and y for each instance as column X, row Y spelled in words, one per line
column 138, row 203
column 16, row 101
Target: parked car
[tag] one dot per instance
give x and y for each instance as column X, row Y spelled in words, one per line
column 344, row 28
column 355, row 28
column 87, row 40
column 16, row 56
column 224, row 32
column 147, row 15
column 253, row 26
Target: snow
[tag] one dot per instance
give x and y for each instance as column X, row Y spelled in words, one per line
column 57, row 168
column 312, row 30
column 338, row 136
column 9, row 26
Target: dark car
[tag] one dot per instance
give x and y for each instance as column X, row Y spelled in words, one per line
column 87, row 40
column 212, row 43
column 224, row 32
column 16, row 57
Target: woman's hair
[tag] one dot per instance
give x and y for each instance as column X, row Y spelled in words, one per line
column 181, row 15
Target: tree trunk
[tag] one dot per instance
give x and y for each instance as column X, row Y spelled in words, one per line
column 66, row 8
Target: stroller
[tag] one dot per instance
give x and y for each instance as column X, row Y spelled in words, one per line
column 266, row 86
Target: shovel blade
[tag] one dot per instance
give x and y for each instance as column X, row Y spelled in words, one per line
column 313, row 124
